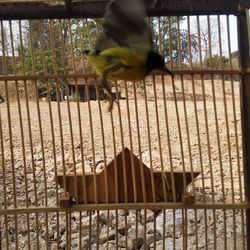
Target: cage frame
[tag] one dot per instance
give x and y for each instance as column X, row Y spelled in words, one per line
column 14, row 10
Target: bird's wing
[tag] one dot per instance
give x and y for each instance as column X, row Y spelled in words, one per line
column 125, row 26
column 126, row 57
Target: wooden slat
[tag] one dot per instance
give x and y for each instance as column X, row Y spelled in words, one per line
column 243, row 26
column 90, row 9
column 124, row 206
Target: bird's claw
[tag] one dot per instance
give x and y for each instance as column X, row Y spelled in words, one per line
column 111, row 102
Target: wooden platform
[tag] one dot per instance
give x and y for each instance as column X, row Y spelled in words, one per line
column 139, row 170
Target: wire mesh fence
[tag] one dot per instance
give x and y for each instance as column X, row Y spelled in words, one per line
column 54, row 124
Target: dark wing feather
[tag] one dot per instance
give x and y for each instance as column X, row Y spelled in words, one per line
column 124, row 25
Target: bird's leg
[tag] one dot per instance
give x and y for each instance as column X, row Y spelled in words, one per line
column 105, row 84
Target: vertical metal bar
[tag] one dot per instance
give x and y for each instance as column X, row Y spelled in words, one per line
column 227, row 129
column 173, row 187
column 207, row 131
column 139, row 146
column 165, row 185
column 103, row 144
column 42, row 50
column 195, row 111
column 217, row 137
column 21, row 128
column 123, row 152
column 236, row 132
column 171, row 67
column 58, row 107
column 82, row 154
column 176, row 106
column 179, row 43
column 4, row 182
column 123, row 161
column 5, row 72
column 97, row 87
column 243, row 29
column 170, row 43
column 90, row 229
column 69, row 112
column 97, row 229
column 78, row 105
column 131, row 143
column 149, row 144
column 92, row 131
column 31, row 49
column 51, row 44
column 24, row 155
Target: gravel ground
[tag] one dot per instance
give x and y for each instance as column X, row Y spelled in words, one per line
column 33, row 169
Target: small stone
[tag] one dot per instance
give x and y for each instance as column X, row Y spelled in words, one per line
column 107, row 234
column 79, row 168
column 54, row 246
column 149, row 216
column 135, row 243
column 62, row 230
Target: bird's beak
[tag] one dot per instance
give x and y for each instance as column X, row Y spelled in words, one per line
column 168, row 71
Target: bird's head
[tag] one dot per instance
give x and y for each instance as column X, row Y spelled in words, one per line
column 156, row 61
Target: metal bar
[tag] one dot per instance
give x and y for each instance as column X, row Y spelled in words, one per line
column 165, row 185
column 130, row 141
column 91, row 9
column 68, row 103
column 4, row 182
column 81, row 136
column 125, row 206
column 149, row 143
column 199, row 129
column 139, row 145
column 217, row 132
column 21, row 132
column 93, row 75
column 189, row 145
column 243, row 29
column 236, row 130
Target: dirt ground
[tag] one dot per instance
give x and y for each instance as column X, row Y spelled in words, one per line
column 163, row 127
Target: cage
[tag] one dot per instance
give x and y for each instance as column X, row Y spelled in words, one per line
column 168, row 168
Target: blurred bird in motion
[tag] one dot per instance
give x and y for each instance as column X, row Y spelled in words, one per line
column 124, row 50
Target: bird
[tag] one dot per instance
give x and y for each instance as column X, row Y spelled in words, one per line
column 124, row 50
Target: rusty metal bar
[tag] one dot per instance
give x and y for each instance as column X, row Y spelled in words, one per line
column 149, row 143
column 93, row 75
column 243, row 29
column 156, row 114
column 125, row 206
column 91, row 9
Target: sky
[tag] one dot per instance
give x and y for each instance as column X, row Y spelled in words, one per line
column 233, row 31
column 215, row 37
column 193, row 24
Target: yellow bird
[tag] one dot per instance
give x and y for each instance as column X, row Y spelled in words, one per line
column 124, row 49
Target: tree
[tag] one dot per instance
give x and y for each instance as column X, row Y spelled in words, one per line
column 180, row 47
column 49, row 47
column 215, row 62
column 42, row 51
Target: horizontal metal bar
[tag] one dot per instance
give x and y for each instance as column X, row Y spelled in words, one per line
column 113, row 206
column 91, row 9
column 92, row 75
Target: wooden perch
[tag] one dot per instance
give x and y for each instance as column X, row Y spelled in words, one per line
column 139, row 169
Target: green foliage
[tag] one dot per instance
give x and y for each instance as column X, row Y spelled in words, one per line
column 215, row 62
column 174, row 43
column 54, row 46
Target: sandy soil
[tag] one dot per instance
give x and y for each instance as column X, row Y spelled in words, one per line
column 185, row 134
